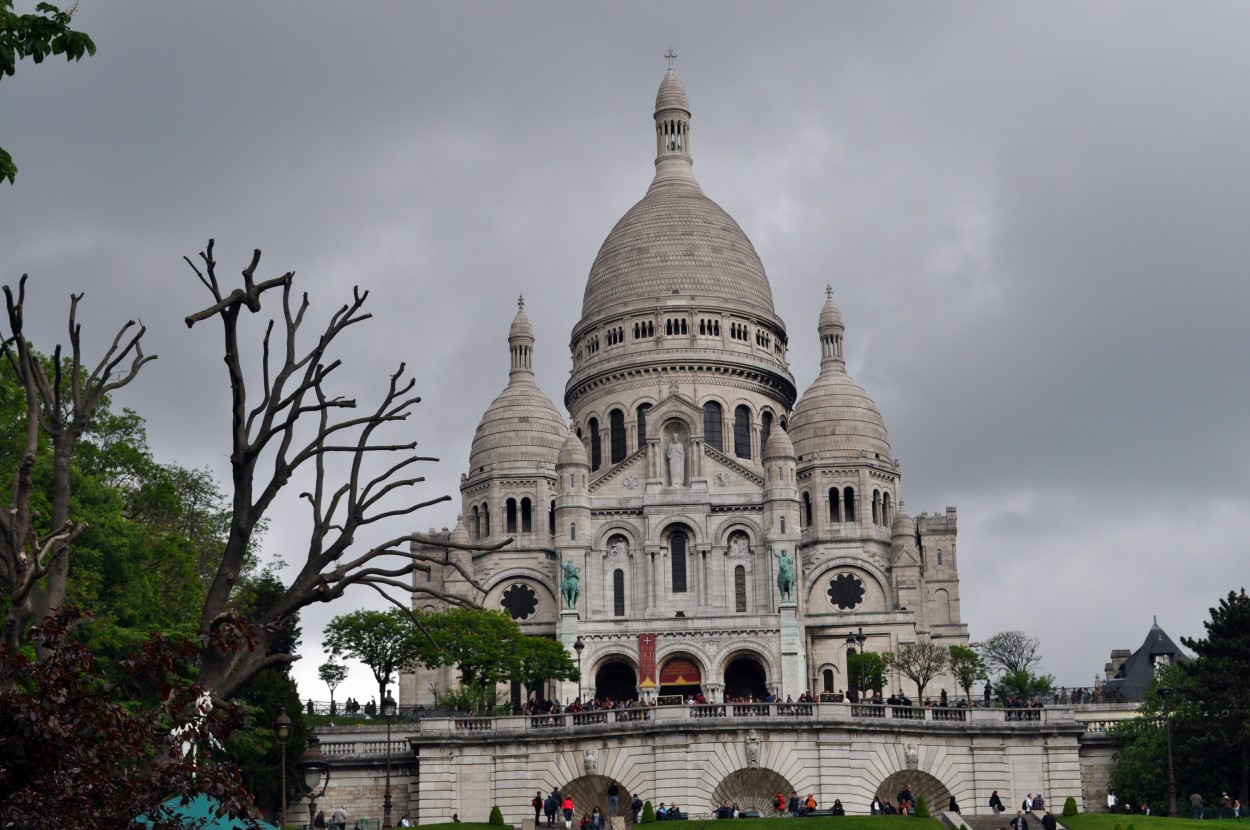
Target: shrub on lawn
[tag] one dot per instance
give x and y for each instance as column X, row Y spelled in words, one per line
column 922, row 808
column 1069, row 806
column 496, row 815
column 648, row 814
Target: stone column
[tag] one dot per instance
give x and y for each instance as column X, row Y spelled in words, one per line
column 569, row 629
column 793, row 660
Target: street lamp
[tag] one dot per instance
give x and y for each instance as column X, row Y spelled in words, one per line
column 314, row 776
column 1164, row 693
column 388, row 712
column 579, row 646
column 856, row 641
column 282, row 729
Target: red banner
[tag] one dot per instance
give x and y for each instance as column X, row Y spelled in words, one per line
column 646, row 660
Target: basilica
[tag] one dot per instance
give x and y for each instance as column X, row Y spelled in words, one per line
column 694, row 526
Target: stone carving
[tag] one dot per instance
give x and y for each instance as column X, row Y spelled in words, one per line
column 676, row 454
column 617, row 547
column 911, row 754
column 739, row 545
column 785, row 576
column 570, row 585
column 721, row 479
column 753, row 748
column 590, row 761
column 630, row 482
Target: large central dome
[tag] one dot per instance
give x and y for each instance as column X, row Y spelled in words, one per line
column 676, row 240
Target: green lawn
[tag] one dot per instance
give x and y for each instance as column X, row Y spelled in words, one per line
column 1109, row 821
column 813, row 823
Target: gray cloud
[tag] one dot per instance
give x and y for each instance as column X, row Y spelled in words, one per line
column 1030, row 216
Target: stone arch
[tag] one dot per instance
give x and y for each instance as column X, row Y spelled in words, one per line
column 608, row 531
column 735, row 650
column 540, row 582
column 751, row 789
column 922, row 785
column 670, row 523
column 684, row 652
column 609, row 677
column 827, row 679
column 941, row 606
column 589, row 790
column 750, row 527
column 745, row 677
column 815, row 578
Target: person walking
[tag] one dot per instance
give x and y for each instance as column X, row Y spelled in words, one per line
column 567, row 807
column 1019, row 822
column 549, row 808
column 1195, row 805
column 614, row 798
column 537, row 803
column 1048, row 821
column 996, row 803
column 339, row 819
column 635, row 809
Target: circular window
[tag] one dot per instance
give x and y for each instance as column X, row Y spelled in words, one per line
column 520, row 601
column 846, row 591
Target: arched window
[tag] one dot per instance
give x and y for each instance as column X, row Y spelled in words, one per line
column 486, row 519
column 783, row 524
column 876, row 507
column 642, row 424
column 835, row 501
column 551, row 518
column 713, row 425
column 766, row 429
column 827, row 680
column 740, row 589
column 510, row 505
column 939, row 556
column 596, row 452
column 677, row 551
column 618, row 593
column 848, row 505
column 805, row 519
column 477, row 523
column 573, row 531
column 887, row 509
column 742, row 432
column 527, row 519
column 616, row 428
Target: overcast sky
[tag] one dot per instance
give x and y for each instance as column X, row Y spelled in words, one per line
column 1034, row 218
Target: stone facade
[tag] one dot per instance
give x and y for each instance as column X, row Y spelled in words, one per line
column 701, row 756
column 689, row 474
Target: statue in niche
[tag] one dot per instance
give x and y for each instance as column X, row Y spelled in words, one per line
column 617, row 547
column 570, row 585
column 911, row 755
column 590, row 761
column 676, row 454
column 753, row 748
column 739, row 546
column 785, row 576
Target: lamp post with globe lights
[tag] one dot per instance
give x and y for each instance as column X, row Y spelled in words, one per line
column 579, row 645
column 388, row 712
column 314, row 775
column 856, row 641
column 282, row 730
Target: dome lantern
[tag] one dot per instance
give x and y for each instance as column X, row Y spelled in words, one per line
column 672, row 126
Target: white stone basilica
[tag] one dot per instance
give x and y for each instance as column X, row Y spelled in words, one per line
column 724, row 539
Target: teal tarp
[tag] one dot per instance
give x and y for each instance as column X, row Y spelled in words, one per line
column 205, row 807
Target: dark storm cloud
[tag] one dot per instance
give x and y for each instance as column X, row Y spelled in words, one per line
column 1032, row 218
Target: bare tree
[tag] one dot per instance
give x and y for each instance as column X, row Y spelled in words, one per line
column 1008, row 652
column 34, row 554
column 920, row 663
column 293, row 424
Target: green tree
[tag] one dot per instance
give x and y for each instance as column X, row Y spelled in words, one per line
column 967, row 667
column 920, row 663
column 385, row 641
column 1024, row 685
column 1218, row 687
column 35, row 36
column 865, row 671
column 332, row 674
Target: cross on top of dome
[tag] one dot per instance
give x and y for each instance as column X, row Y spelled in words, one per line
column 672, row 56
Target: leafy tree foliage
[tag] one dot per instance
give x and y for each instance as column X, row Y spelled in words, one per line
column 967, row 667
column 385, row 641
column 489, row 647
column 920, row 663
column 1218, row 683
column 332, row 674
column 35, row 36
column 866, row 670
column 1024, row 685
column 71, row 748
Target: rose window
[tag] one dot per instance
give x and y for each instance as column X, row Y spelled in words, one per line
column 520, row 601
column 846, row 591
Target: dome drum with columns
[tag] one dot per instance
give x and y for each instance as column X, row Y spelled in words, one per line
column 727, row 532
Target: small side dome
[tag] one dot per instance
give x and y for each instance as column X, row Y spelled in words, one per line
column 521, row 326
column 830, row 315
column 779, row 445
column 672, row 94
column 903, row 524
column 459, row 535
column 572, row 454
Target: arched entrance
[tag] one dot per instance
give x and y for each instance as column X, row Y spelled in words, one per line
column 681, row 676
column 936, row 794
column 751, row 789
column 590, row 790
column 616, row 681
column 745, row 679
